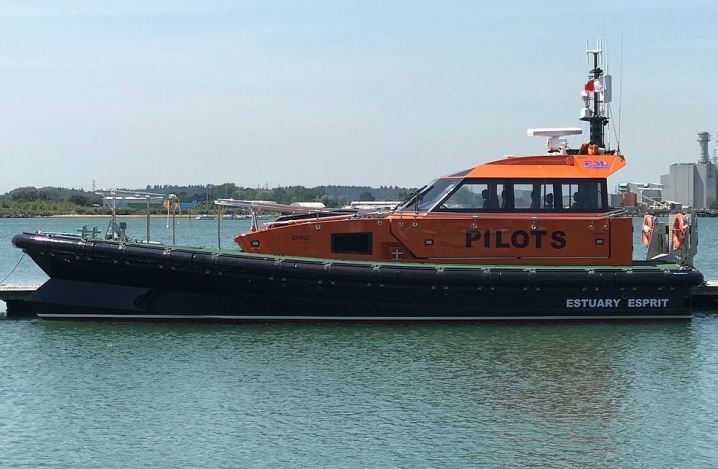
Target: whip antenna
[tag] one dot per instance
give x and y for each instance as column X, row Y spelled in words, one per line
column 620, row 100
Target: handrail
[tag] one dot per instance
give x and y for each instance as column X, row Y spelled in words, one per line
column 553, row 216
column 538, row 215
column 120, row 194
column 126, row 193
column 276, row 207
column 270, row 206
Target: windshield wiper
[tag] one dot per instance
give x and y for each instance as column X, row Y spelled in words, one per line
column 411, row 195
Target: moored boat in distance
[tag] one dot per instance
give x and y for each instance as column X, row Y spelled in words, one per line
column 521, row 237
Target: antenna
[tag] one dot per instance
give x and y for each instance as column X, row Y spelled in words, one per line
column 596, row 95
column 620, row 100
column 588, row 59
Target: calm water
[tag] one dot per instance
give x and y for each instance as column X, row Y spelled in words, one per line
column 89, row 395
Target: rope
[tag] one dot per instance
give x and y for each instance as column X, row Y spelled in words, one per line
column 13, row 269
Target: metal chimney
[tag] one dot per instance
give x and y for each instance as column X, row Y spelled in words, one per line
column 703, row 139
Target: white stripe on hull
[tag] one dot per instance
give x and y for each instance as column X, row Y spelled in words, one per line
column 356, row 318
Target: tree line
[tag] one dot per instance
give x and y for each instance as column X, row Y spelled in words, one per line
column 33, row 201
column 331, row 196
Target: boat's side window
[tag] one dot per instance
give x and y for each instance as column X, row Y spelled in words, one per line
column 591, row 195
column 527, row 196
column 550, row 197
column 553, row 199
column 585, row 195
column 548, row 202
column 534, row 196
column 467, row 196
column 507, row 197
column 568, row 195
column 496, row 198
column 488, row 196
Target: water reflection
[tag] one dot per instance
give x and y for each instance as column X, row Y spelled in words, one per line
column 586, row 394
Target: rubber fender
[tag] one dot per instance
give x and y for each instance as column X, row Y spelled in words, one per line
column 246, row 265
column 418, row 276
column 348, row 272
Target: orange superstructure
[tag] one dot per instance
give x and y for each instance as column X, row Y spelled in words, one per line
column 548, row 166
column 548, row 209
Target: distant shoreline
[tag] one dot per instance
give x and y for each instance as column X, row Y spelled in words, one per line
column 77, row 215
column 71, row 215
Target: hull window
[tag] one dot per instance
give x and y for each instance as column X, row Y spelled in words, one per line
column 351, row 243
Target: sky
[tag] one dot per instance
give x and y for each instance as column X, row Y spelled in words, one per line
column 321, row 92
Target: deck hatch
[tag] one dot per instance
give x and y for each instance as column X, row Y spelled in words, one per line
column 351, row 243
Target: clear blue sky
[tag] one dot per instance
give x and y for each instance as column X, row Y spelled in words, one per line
column 334, row 92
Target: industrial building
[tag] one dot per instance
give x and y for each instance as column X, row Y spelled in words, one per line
column 694, row 185
column 631, row 194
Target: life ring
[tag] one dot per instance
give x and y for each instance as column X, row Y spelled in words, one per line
column 679, row 231
column 647, row 229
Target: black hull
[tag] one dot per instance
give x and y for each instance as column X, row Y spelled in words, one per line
column 97, row 279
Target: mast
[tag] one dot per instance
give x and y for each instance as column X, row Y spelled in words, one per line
column 596, row 95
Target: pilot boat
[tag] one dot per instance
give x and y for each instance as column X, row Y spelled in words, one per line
column 521, row 237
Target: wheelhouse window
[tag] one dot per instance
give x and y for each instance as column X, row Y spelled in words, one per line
column 582, row 196
column 499, row 195
column 480, row 195
column 427, row 197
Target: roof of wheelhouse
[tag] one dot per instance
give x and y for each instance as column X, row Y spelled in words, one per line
column 546, row 166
